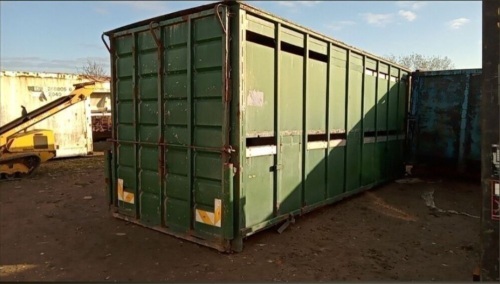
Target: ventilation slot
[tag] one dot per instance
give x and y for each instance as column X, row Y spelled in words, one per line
column 260, row 141
column 317, row 137
column 382, row 133
column 260, row 39
column 386, row 133
column 337, row 136
column 293, row 49
column 318, row 56
column 369, row 134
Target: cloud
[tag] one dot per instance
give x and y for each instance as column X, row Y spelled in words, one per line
column 38, row 64
column 296, row 4
column 339, row 25
column 413, row 5
column 408, row 15
column 378, row 19
column 457, row 23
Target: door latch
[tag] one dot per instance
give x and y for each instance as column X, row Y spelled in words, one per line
column 275, row 168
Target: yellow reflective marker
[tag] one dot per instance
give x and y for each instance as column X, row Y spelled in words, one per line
column 124, row 195
column 210, row 218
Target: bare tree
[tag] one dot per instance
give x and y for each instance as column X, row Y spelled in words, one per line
column 420, row 62
column 93, row 71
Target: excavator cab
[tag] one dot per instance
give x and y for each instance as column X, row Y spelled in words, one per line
column 22, row 151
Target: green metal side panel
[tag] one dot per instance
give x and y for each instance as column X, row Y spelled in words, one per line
column 369, row 120
column 259, row 90
column 353, row 167
column 368, row 172
column 207, row 117
column 369, row 98
column 354, row 127
column 258, row 109
column 315, row 171
column 258, row 180
column 393, row 104
column 149, row 198
column 315, row 190
column 316, row 97
column 381, row 163
column 355, row 94
column 337, row 113
column 289, row 196
column 291, row 84
column 177, row 187
column 126, row 112
column 292, row 37
column 336, row 171
column 382, row 98
column 338, row 90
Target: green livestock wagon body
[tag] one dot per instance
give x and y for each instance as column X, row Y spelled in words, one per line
column 228, row 120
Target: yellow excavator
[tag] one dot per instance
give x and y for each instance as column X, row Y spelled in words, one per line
column 22, row 151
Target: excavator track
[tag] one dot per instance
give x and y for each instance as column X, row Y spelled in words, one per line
column 28, row 164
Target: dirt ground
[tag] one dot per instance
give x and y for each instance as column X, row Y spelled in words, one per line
column 51, row 231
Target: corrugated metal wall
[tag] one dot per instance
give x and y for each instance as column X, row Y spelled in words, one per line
column 445, row 119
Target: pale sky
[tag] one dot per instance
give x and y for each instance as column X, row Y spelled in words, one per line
column 57, row 36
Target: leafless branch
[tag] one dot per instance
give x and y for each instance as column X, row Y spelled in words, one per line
column 93, row 71
column 420, row 62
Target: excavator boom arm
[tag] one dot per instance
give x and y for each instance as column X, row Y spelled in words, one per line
column 80, row 93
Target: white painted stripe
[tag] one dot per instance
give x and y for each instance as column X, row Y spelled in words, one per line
column 317, row 145
column 392, row 137
column 382, row 75
column 260, row 151
column 337, row 143
column 367, row 140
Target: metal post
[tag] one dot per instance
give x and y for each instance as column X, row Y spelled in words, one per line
column 489, row 135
